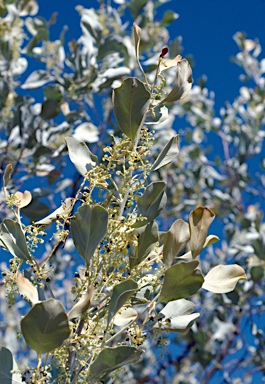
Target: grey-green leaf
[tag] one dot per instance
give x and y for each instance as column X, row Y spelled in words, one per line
column 131, row 102
column 183, row 82
column 45, row 327
column 148, row 237
column 80, row 155
column 6, row 366
column 169, row 152
column 111, row 359
column 88, row 228
column 120, row 295
column 7, row 174
column 175, row 240
column 154, row 199
column 13, row 239
column 181, row 280
column 200, row 220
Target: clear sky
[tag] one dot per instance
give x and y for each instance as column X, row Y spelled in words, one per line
column 207, row 27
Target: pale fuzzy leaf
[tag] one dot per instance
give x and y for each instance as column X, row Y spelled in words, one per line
column 223, row 278
column 168, row 63
column 27, row 289
column 183, row 82
column 36, row 79
column 82, row 305
column 87, row 132
column 199, row 221
column 63, row 211
column 168, row 153
column 211, row 239
column 178, row 316
column 24, row 198
column 80, row 155
column 125, row 316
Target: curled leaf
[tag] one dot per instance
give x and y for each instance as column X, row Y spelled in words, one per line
column 199, row 222
column 83, row 304
column 24, row 198
column 7, row 174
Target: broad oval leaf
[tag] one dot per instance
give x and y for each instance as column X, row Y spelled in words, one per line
column 13, row 239
column 45, row 326
column 83, row 304
column 63, row 211
column 175, row 240
column 178, row 316
column 180, row 281
column 223, row 278
column 88, row 228
column 27, row 289
column 183, row 82
column 120, row 295
column 131, row 102
column 50, row 109
column 125, row 316
column 200, row 220
column 169, row 152
column 80, row 155
column 148, row 237
column 151, row 203
column 111, row 359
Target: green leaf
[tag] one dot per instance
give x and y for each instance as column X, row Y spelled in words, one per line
column 181, row 280
column 223, row 278
column 151, row 203
column 168, row 153
column 136, row 6
column 88, row 228
column 35, row 209
column 53, row 92
column 200, row 220
column 13, row 239
column 6, row 366
column 120, row 295
column 45, row 327
column 50, row 109
column 137, row 39
column 148, row 237
column 80, row 155
column 183, row 82
column 111, row 359
column 7, row 174
column 175, row 240
column 131, row 102
column 168, row 17
column 178, row 316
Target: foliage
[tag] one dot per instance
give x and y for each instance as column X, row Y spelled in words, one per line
column 99, row 162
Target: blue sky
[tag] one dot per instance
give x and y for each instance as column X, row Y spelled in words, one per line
column 207, row 28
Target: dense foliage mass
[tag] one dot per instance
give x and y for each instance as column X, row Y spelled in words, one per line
column 105, row 250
